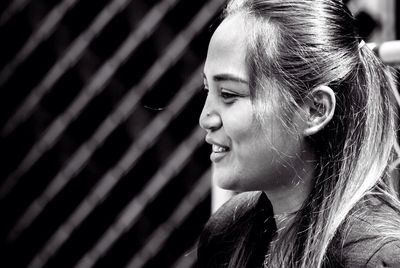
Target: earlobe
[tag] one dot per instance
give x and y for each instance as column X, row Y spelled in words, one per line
column 320, row 108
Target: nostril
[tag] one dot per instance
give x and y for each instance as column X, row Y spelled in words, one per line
column 210, row 120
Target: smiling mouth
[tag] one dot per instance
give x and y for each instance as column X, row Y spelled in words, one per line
column 219, row 149
column 218, row 153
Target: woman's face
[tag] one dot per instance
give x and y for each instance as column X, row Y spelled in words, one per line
column 245, row 155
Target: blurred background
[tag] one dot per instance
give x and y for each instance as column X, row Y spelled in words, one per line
column 102, row 160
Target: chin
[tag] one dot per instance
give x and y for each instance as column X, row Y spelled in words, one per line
column 227, row 183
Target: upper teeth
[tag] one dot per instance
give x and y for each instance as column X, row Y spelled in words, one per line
column 219, row 149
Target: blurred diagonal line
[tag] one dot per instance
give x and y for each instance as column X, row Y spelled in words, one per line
column 148, row 137
column 132, row 211
column 158, row 238
column 70, row 57
column 105, row 185
column 46, row 28
column 82, row 155
column 14, row 7
column 53, row 132
column 84, row 152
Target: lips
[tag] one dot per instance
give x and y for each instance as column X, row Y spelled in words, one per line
column 219, row 150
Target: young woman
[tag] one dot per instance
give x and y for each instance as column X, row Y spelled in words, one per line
column 300, row 117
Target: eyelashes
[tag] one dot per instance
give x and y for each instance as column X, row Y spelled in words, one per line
column 226, row 96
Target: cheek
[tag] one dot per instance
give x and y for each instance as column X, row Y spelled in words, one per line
column 246, row 132
column 240, row 127
column 262, row 148
column 253, row 147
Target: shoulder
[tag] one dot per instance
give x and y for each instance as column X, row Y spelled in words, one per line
column 235, row 211
column 373, row 240
column 387, row 254
column 372, row 251
column 243, row 221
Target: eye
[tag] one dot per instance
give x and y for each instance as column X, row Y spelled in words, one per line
column 228, row 97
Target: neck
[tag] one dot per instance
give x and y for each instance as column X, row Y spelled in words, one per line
column 288, row 199
column 286, row 204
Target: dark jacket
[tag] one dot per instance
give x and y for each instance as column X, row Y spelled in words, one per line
column 247, row 218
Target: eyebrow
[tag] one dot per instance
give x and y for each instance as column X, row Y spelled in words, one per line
column 228, row 77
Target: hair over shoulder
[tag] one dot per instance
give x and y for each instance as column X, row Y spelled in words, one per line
column 296, row 46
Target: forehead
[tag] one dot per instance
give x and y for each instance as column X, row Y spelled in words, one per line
column 231, row 31
column 227, row 48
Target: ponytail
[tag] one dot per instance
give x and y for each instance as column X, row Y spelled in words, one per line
column 314, row 43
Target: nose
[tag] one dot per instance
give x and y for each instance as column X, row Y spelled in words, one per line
column 210, row 119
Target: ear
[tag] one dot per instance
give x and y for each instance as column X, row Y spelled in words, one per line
column 319, row 107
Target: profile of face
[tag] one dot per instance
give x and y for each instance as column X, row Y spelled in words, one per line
column 245, row 154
